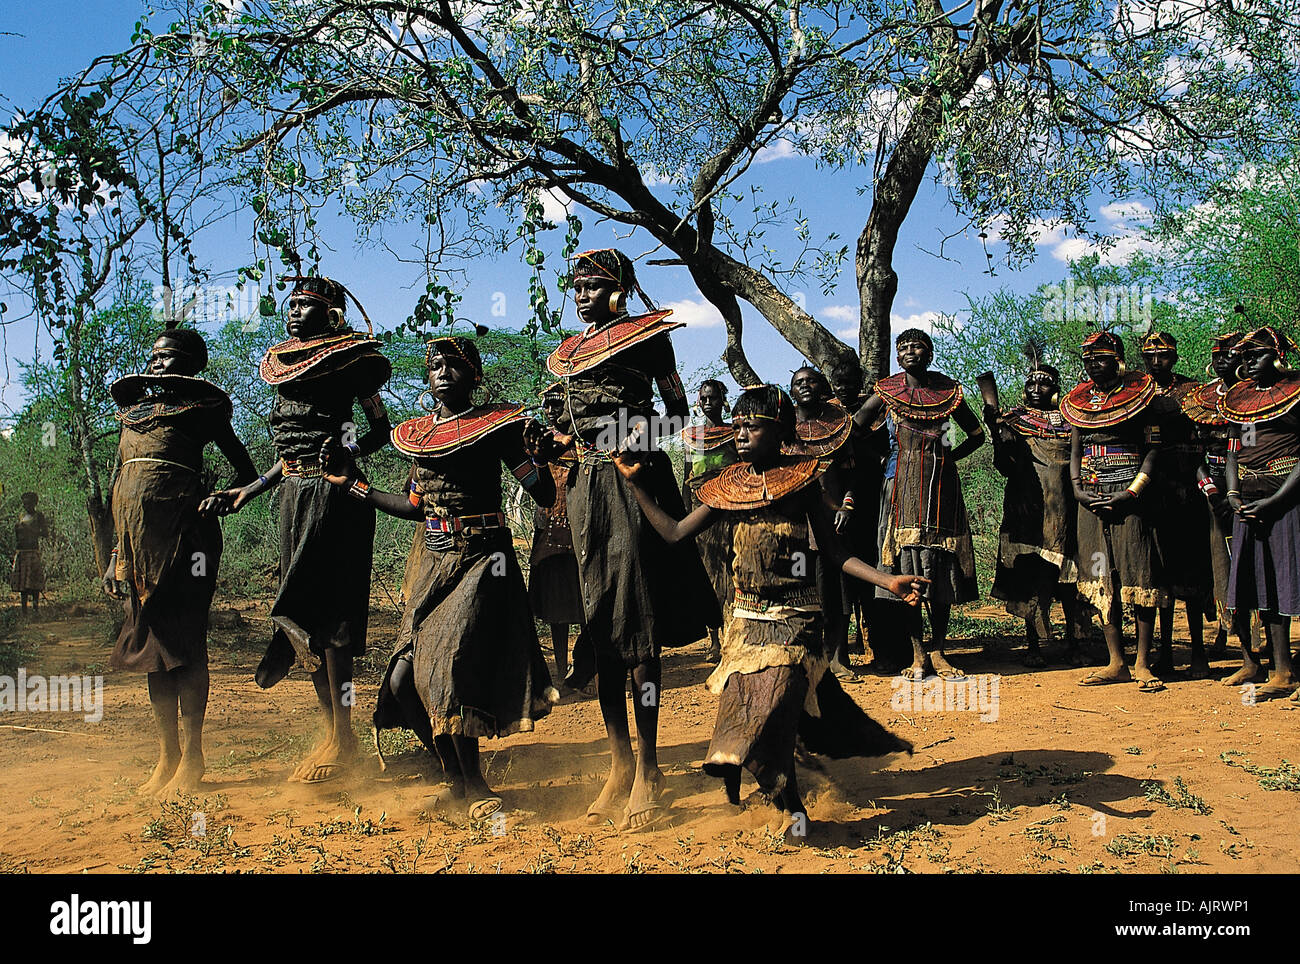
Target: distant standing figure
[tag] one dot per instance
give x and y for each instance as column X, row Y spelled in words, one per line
column 710, row 448
column 28, row 576
column 554, row 589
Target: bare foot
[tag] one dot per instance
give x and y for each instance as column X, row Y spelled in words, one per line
column 1250, row 673
column 644, row 804
column 606, row 806
column 189, row 775
column 1200, row 668
column 162, row 774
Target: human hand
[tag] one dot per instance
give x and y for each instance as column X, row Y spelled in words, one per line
column 629, row 466
column 908, row 588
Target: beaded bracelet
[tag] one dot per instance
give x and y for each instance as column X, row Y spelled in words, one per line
column 359, row 490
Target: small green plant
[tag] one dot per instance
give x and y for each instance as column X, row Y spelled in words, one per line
column 1180, row 799
column 1138, row 845
column 1284, row 777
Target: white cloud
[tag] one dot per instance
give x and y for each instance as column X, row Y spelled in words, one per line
column 922, row 319
column 555, row 207
column 841, row 313
column 925, row 320
column 696, row 314
column 776, row 150
column 1120, row 239
column 1124, row 238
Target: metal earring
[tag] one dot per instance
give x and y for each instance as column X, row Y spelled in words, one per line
column 428, row 408
column 1241, row 374
column 1280, row 365
column 1121, row 367
column 617, row 301
column 1209, row 369
column 1055, row 400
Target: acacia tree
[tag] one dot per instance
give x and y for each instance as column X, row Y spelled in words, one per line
column 651, row 116
column 1236, row 255
column 92, row 196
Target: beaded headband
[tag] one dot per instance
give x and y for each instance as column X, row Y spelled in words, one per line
column 333, row 294
column 1159, row 341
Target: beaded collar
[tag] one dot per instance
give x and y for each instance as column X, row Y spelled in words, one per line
column 1037, row 422
column 929, row 403
column 1201, row 404
column 579, row 353
column 1245, row 402
column 142, row 398
column 1087, row 406
column 741, row 486
column 298, row 358
column 427, row 435
column 825, row 433
column 706, row 438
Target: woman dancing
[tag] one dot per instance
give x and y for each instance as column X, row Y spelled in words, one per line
column 169, row 542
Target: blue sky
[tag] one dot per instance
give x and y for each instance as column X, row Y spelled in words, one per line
column 57, row 38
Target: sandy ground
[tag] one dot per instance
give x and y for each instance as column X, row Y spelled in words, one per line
column 1065, row 780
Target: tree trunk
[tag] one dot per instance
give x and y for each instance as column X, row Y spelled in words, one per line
column 99, row 512
column 890, row 202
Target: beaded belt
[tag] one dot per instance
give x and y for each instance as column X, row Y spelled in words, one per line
column 596, row 456
column 1281, row 466
column 307, row 467
column 1106, row 464
column 799, row 599
column 439, row 533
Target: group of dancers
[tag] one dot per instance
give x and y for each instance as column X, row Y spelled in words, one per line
column 799, row 511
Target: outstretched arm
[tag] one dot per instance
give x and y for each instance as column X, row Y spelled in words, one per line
column 671, row 530
column 223, row 502
column 907, row 588
column 390, row 503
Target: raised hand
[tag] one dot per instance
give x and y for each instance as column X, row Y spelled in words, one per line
column 333, row 458
column 544, row 445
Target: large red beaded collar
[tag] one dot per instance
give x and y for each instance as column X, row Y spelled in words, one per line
column 824, row 434
column 1087, row 406
column 740, row 486
column 1201, row 404
column 939, row 399
column 1245, row 402
column 706, row 438
column 293, row 358
column 427, row 435
column 1036, row 423
column 578, row 353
